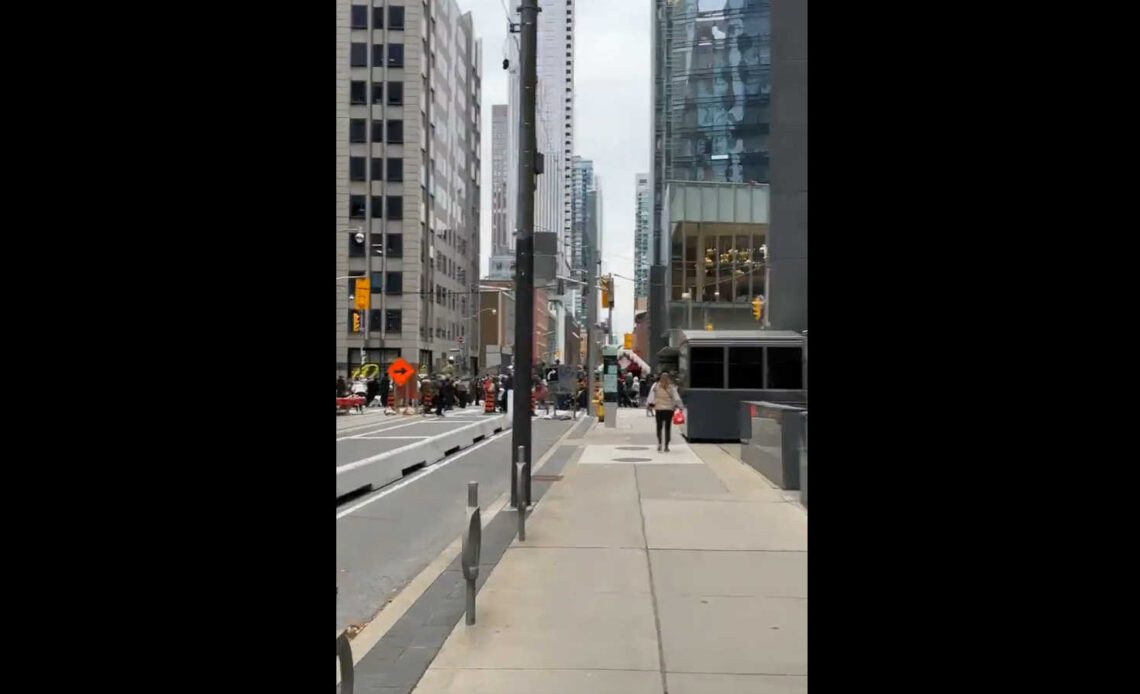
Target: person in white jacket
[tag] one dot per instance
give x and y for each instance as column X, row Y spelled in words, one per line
column 664, row 399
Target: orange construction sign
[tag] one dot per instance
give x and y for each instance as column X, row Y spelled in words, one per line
column 401, row 371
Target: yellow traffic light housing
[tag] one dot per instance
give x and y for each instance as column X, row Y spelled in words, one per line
column 356, row 321
column 757, row 308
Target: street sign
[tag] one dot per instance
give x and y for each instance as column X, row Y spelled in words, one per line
column 629, row 340
column 362, row 294
column 401, row 371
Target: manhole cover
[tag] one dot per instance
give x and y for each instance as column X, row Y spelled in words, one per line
column 633, row 460
column 633, row 448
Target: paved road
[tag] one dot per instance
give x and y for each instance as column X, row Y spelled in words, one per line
column 385, row 539
column 367, row 435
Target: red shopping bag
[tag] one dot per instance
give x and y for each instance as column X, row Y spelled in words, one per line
column 678, row 417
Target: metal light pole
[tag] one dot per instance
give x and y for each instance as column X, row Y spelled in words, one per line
column 524, row 247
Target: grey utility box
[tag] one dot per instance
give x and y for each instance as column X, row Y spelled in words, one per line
column 773, row 443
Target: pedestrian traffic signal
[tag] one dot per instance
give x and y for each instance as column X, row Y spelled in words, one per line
column 757, row 308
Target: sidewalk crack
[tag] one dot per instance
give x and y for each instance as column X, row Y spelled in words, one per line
column 652, row 587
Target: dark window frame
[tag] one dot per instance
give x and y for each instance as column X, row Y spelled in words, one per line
column 396, row 55
column 355, row 124
column 358, row 55
column 396, row 18
column 357, row 169
column 359, row 17
column 353, row 87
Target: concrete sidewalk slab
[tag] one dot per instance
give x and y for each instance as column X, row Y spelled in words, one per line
column 685, row 683
column 570, row 570
column 583, row 631
column 729, row 574
column 440, row 681
column 667, row 481
column 633, row 454
column 733, row 635
column 739, row 525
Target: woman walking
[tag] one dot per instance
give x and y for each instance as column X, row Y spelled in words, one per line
column 664, row 399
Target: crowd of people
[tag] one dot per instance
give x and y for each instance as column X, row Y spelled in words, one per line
column 445, row 391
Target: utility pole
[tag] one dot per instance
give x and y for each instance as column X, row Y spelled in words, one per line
column 591, row 292
column 524, row 249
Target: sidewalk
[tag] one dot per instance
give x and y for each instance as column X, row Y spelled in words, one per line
column 640, row 568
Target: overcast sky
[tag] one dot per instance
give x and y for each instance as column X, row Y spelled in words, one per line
column 611, row 114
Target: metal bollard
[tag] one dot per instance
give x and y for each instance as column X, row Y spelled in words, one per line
column 520, row 472
column 472, row 546
column 344, row 657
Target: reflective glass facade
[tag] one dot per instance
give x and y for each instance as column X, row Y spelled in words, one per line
column 718, row 90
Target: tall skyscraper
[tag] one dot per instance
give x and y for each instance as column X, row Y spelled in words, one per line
column 502, row 240
column 641, row 242
column 582, row 183
column 408, row 167
column 554, row 111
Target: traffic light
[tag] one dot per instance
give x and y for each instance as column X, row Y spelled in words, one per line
column 356, row 320
column 607, row 283
column 757, row 308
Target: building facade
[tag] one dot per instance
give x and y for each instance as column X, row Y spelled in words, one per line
column 729, row 99
column 502, row 240
column 408, row 94
column 641, row 232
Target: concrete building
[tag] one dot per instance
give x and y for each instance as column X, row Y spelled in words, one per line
column 729, row 100
column 502, row 240
column 641, row 238
column 408, row 172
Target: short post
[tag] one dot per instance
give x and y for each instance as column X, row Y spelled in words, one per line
column 520, row 471
column 344, row 657
column 472, row 545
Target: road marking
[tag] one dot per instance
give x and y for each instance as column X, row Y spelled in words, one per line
column 418, row 476
column 389, row 438
column 387, row 454
column 392, row 428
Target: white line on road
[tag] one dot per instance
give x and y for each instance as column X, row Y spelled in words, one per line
column 418, row 476
column 385, row 438
column 393, row 428
column 388, row 454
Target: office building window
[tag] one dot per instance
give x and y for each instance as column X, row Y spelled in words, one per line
column 394, row 320
column 377, row 206
column 395, row 170
column 396, row 18
column 377, row 92
column 374, row 318
column 356, row 206
column 375, row 282
column 395, row 132
column 395, row 208
column 358, row 56
column 377, row 17
column 359, row 17
column 355, row 249
column 356, row 168
column 377, row 131
column 395, row 93
column 377, row 169
column 377, row 54
column 395, row 245
column 395, row 55
column 356, row 133
column 358, row 92
column 395, row 283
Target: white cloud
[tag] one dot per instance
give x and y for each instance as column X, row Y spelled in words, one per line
column 611, row 112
